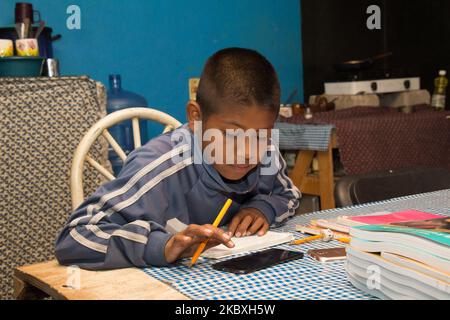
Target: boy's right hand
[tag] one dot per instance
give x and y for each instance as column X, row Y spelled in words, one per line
column 185, row 243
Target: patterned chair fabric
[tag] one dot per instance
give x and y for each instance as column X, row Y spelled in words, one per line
column 42, row 120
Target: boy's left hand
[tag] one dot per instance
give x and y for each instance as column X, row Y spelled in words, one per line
column 248, row 221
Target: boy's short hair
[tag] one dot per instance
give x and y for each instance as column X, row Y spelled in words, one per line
column 241, row 77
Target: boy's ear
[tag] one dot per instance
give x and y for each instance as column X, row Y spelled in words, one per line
column 194, row 113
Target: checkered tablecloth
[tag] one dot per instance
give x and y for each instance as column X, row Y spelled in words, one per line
column 299, row 279
column 303, row 136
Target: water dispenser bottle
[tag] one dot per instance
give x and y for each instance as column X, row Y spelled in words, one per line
column 118, row 99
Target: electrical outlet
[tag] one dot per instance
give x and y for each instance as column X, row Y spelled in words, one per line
column 193, row 86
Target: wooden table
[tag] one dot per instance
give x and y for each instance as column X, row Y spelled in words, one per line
column 321, row 184
column 50, row 279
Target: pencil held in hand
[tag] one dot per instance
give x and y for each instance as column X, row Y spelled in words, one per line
column 216, row 222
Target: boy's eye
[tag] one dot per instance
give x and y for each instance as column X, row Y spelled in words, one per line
column 229, row 134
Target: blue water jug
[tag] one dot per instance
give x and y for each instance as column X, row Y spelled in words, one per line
column 118, row 99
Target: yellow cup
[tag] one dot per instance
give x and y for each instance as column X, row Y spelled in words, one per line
column 6, row 48
column 27, row 47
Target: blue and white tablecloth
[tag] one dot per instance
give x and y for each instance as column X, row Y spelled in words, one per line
column 299, row 279
column 303, row 136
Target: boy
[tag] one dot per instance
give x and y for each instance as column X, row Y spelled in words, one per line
column 124, row 222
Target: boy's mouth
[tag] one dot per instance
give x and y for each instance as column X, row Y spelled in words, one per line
column 241, row 167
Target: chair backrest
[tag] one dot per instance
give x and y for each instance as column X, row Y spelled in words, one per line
column 101, row 129
column 359, row 189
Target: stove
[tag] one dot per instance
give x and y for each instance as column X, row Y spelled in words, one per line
column 371, row 81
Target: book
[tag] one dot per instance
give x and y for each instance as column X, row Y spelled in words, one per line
column 426, row 241
column 425, row 233
column 417, row 266
column 360, row 283
column 386, row 289
column 412, row 256
column 412, row 252
column 248, row 244
column 421, row 255
column 385, row 218
column 395, row 280
column 344, row 223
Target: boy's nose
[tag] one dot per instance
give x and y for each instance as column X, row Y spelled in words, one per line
column 248, row 154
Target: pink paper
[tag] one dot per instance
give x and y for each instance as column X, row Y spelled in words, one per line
column 403, row 216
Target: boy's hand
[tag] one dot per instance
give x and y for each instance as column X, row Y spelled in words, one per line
column 185, row 243
column 248, row 221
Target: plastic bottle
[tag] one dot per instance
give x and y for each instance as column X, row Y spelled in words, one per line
column 118, row 99
column 440, row 86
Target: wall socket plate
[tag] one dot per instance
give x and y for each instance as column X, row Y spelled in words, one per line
column 193, row 86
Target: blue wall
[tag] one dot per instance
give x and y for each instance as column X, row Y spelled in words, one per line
column 156, row 45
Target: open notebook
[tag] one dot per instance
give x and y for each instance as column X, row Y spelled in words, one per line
column 242, row 245
column 250, row 243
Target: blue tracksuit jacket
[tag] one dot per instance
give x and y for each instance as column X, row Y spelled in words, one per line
column 123, row 223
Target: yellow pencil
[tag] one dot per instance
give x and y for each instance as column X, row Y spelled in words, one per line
column 216, row 222
column 343, row 240
column 319, row 236
column 308, row 239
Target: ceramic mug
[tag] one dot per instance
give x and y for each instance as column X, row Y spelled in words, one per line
column 6, row 48
column 27, row 47
column 25, row 10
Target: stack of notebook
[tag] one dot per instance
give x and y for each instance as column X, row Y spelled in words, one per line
column 407, row 256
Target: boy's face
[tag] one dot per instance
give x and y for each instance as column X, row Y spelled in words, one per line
column 239, row 157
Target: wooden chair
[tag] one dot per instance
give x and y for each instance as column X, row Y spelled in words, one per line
column 48, row 278
column 101, row 128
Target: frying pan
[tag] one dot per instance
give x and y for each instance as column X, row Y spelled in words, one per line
column 358, row 65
